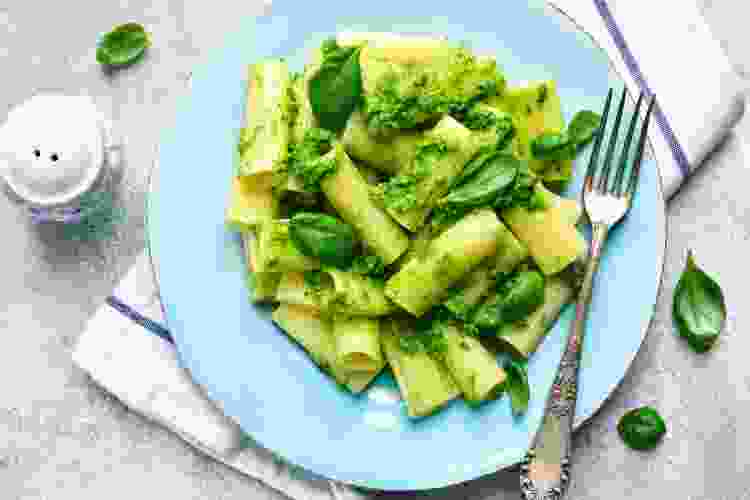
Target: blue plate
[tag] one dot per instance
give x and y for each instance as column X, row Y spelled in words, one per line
column 262, row 379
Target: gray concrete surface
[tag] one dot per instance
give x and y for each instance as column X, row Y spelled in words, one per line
column 62, row 438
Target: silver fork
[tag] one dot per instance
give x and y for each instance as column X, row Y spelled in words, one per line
column 545, row 471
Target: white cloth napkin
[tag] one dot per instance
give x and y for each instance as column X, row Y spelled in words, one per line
column 701, row 100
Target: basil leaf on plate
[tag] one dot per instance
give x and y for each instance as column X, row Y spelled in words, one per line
column 474, row 165
column 583, row 127
column 336, row 88
column 123, row 45
column 522, row 294
column 553, row 146
column 641, row 428
column 369, row 265
column 496, row 175
column 324, row 237
column 698, row 308
column 517, row 385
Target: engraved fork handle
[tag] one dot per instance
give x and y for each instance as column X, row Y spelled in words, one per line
column 545, row 471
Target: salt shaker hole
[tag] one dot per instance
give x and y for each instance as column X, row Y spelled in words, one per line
column 54, row 157
column 37, row 153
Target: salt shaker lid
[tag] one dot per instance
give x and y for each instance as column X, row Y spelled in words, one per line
column 51, row 148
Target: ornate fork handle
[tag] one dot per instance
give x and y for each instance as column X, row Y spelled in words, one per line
column 545, row 470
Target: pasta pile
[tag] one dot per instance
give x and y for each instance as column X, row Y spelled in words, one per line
column 426, row 224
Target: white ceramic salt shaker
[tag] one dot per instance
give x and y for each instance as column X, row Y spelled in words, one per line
column 53, row 149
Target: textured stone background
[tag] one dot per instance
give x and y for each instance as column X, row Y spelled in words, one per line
column 62, row 438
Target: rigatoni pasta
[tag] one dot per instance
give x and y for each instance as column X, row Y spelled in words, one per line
column 349, row 194
column 393, row 210
column 424, row 281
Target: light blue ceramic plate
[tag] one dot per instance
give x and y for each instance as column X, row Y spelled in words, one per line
column 266, row 382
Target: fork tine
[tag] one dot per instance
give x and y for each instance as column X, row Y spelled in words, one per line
column 589, row 180
column 633, row 183
column 604, row 177
column 617, row 185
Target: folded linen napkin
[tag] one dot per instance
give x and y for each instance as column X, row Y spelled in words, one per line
column 696, row 113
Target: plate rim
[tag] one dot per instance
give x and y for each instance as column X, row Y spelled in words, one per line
column 577, row 426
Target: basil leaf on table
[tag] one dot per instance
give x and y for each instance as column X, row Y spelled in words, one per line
column 583, row 127
column 641, row 428
column 517, row 385
column 698, row 309
column 336, row 88
column 123, row 45
column 324, row 237
column 496, row 175
column 553, row 146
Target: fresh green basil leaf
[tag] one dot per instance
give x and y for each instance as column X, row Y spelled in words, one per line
column 583, row 127
column 521, row 294
column 487, row 315
column 553, row 146
column 474, row 165
column 641, row 428
column 336, row 88
column 313, row 279
column 698, row 307
column 480, row 119
column 369, row 265
column 517, row 385
column 123, row 45
column 324, row 237
column 497, row 174
column 444, row 216
column 521, row 193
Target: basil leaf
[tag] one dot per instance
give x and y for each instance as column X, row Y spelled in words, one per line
column 487, row 315
column 517, row 385
column 583, row 127
column 522, row 293
column 521, row 193
column 313, row 279
column 474, row 165
column 496, row 175
column 641, row 428
column 698, row 307
column 324, row 237
column 123, row 45
column 369, row 265
column 553, row 146
column 335, row 90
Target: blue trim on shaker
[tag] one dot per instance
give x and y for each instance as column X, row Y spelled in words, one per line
column 138, row 318
column 677, row 152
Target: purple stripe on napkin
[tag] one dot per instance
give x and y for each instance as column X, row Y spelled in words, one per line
column 677, row 152
column 149, row 324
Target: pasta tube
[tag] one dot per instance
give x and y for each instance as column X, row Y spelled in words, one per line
column 473, row 367
column 553, row 242
column 261, row 286
column 424, row 381
column 251, row 202
column 264, row 141
column 524, row 336
column 277, row 253
column 349, row 194
column 357, row 341
column 425, row 279
column 314, row 333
